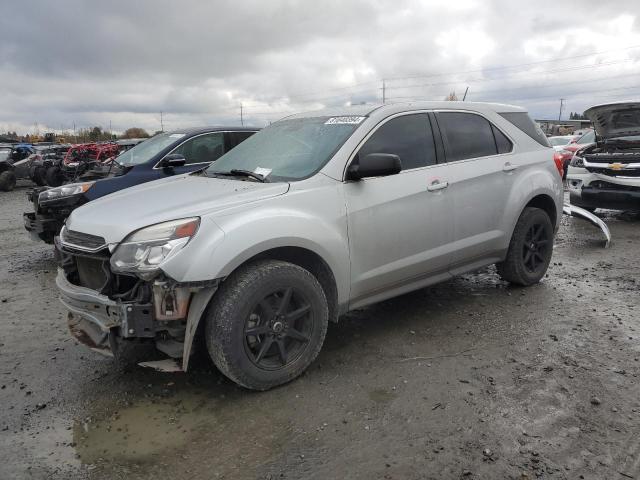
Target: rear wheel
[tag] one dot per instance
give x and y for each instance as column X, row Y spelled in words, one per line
column 530, row 249
column 38, row 175
column 7, row 181
column 266, row 324
column 54, row 177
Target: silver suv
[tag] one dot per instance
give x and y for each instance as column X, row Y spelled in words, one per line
column 316, row 215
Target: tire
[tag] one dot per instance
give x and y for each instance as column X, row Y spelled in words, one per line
column 54, row 177
column 7, row 181
column 39, row 176
column 46, row 237
column 530, row 249
column 258, row 298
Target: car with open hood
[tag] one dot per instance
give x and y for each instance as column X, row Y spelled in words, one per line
column 163, row 155
column 606, row 173
column 316, row 215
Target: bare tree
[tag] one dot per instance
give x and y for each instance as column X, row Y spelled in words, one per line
column 452, row 97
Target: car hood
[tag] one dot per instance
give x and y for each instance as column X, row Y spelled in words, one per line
column 612, row 120
column 115, row 216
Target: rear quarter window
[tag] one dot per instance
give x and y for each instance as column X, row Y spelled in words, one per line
column 523, row 121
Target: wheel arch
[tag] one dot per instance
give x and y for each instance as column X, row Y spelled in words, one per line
column 310, row 261
column 545, row 202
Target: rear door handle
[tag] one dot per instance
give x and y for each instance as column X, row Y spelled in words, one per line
column 437, row 185
column 509, row 167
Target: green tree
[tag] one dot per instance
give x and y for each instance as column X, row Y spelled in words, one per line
column 95, row 134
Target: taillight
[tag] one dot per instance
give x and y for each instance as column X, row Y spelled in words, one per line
column 557, row 158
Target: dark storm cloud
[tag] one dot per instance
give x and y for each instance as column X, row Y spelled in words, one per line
column 123, row 62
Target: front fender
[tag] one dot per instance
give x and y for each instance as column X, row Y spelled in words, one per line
column 304, row 221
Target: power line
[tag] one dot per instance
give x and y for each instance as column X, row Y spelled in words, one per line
column 550, row 85
column 516, row 65
column 537, row 74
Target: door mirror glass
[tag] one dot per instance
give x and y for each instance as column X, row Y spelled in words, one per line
column 173, row 160
column 374, row 165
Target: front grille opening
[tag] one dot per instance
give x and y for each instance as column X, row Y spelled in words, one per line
column 94, row 272
column 83, row 240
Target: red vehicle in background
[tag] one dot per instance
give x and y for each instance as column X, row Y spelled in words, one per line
column 79, row 159
column 565, row 155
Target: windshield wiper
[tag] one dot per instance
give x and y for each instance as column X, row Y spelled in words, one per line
column 242, row 173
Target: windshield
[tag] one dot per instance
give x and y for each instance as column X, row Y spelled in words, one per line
column 289, row 149
column 143, row 152
column 588, row 137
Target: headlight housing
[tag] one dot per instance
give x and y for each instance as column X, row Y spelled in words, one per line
column 144, row 250
column 64, row 191
column 577, row 161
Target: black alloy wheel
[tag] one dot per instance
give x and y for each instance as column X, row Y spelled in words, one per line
column 278, row 329
column 534, row 250
column 530, row 248
column 266, row 323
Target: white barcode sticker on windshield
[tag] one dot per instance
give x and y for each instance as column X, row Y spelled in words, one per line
column 262, row 171
column 344, row 120
column 176, row 135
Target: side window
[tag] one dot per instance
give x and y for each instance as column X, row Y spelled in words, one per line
column 203, row 148
column 241, row 137
column 502, row 142
column 408, row 136
column 466, row 135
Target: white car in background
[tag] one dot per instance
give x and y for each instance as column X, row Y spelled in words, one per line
column 559, row 142
column 606, row 174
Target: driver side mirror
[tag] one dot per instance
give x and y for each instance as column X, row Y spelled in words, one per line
column 172, row 160
column 374, row 165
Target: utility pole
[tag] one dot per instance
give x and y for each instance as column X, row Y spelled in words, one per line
column 241, row 115
column 561, row 105
column 110, row 133
column 465, row 94
column 161, row 123
column 384, row 91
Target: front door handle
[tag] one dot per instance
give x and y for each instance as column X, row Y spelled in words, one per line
column 437, row 185
column 509, row 167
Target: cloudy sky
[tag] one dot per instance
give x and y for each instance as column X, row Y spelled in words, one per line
column 123, row 62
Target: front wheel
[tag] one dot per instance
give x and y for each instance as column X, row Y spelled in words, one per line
column 530, row 248
column 54, row 177
column 266, row 324
column 38, row 175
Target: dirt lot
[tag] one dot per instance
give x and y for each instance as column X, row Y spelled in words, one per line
column 469, row 379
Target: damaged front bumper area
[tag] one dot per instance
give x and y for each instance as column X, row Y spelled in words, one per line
column 45, row 223
column 113, row 314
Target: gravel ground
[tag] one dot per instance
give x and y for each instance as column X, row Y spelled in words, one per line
column 468, row 379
